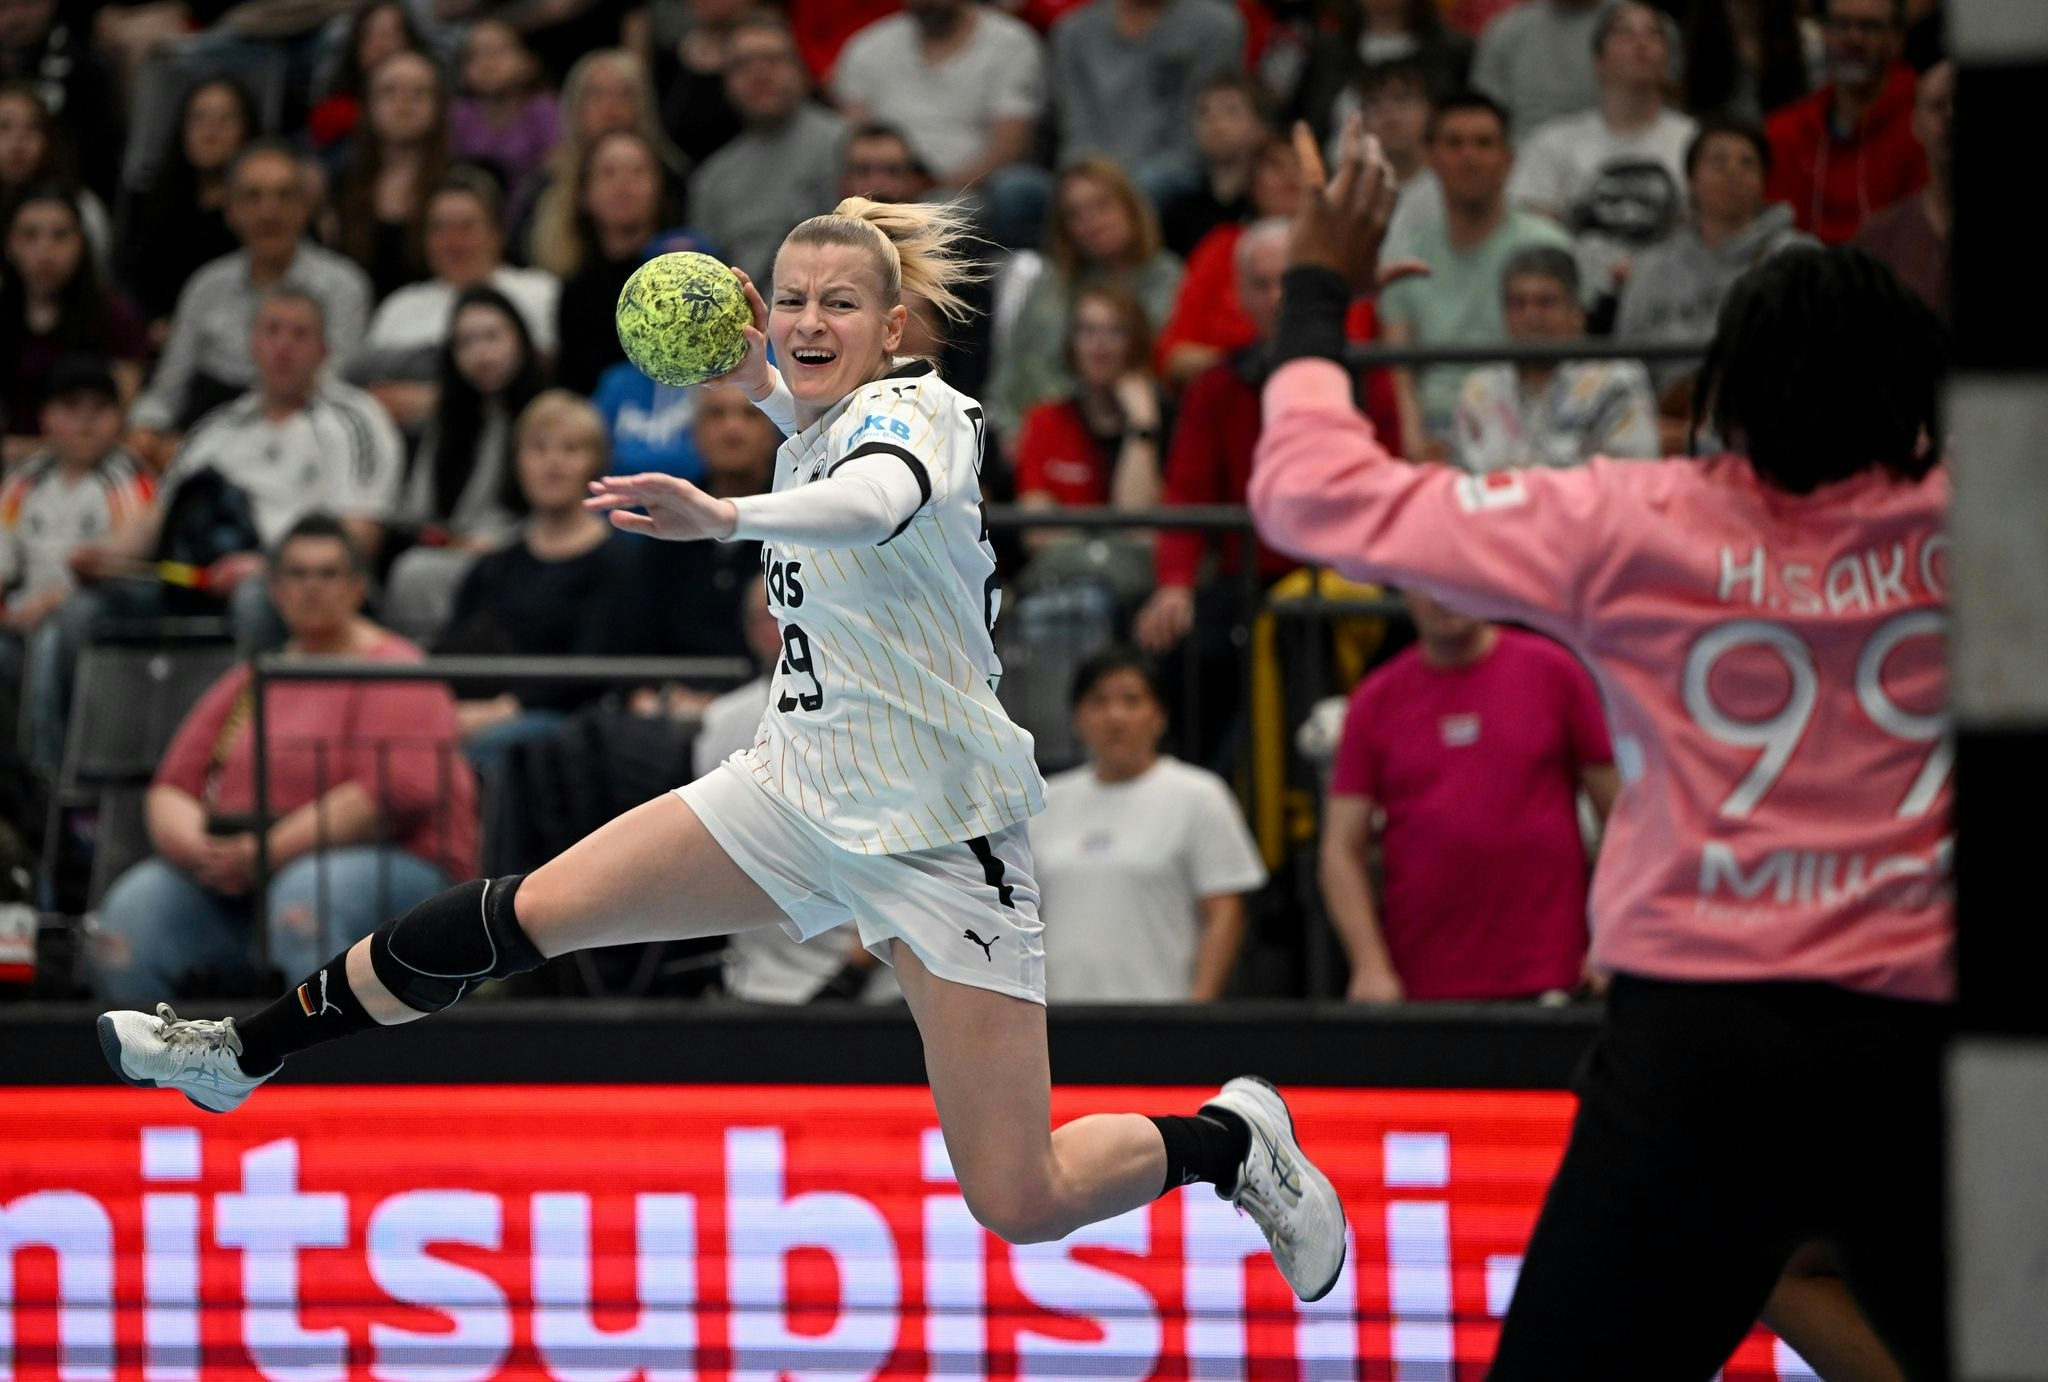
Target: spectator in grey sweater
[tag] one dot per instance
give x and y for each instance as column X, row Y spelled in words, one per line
column 1537, row 60
column 782, row 167
column 1676, row 289
column 1125, row 78
column 206, row 362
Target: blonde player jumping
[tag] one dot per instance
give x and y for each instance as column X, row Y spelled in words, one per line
column 886, row 785
column 1772, row 896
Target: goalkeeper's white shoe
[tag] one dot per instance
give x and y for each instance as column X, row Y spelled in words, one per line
column 1291, row 1201
column 167, row 1052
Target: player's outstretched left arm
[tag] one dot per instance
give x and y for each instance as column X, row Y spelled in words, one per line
column 866, row 499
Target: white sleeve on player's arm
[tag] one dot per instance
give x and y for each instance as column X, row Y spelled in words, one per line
column 779, row 405
column 867, row 499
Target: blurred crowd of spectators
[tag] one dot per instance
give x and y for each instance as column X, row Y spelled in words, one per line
column 313, row 298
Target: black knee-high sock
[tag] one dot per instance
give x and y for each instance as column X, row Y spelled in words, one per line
column 1208, row 1147
column 321, row 1009
column 455, row 941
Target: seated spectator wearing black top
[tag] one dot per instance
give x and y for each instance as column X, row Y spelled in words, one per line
column 51, row 48
column 558, row 33
column 399, row 152
column 552, row 590
column 621, row 202
column 556, row 590
column 689, row 69
column 53, row 301
column 1373, row 33
column 378, row 29
column 1231, row 126
column 462, row 495
column 34, row 153
column 702, row 618
column 1742, row 61
column 179, row 222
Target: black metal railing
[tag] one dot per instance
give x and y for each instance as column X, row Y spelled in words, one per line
column 270, row 668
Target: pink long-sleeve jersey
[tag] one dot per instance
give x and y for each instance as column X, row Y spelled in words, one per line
column 1773, row 666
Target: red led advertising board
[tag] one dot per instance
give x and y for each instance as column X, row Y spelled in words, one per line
column 599, row 1234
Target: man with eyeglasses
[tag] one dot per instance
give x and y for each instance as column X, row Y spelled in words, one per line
column 372, row 806
column 1848, row 150
column 784, row 163
column 297, row 442
column 881, row 166
column 207, row 360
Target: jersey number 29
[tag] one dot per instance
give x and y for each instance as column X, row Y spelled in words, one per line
column 785, row 587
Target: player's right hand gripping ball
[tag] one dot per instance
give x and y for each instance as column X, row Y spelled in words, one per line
column 680, row 318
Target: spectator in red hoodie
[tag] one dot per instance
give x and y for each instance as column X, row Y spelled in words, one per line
column 1848, row 149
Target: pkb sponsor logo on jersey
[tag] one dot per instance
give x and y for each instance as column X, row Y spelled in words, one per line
column 892, row 427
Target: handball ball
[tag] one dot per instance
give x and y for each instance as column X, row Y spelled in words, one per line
column 680, row 317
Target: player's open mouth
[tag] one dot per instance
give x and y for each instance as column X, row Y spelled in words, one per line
column 812, row 358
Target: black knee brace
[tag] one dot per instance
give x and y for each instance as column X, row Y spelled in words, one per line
column 452, row 943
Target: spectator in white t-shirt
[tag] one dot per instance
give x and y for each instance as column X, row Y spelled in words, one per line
column 1549, row 413
column 963, row 81
column 1614, row 175
column 1142, row 860
column 400, row 358
column 298, row 442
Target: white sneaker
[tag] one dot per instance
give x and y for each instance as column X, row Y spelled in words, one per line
column 1292, row 1202
column 166, row 1051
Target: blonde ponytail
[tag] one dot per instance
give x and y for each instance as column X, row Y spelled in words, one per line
column 919, row 247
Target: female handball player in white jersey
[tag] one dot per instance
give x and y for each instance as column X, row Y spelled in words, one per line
column 1772, row 895
column 886, row 785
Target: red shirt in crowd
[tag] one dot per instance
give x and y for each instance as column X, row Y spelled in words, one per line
column 1835, row 185
column 398, row 739
column 1210, row 458
column 1059, row 455
column 1206, row 310
column 1477, row 772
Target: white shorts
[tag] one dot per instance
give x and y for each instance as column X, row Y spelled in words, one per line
column 969, row 911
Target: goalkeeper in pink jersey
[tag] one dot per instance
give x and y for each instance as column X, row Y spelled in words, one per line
column 1772, row 898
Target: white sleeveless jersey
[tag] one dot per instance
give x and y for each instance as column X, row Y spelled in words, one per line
column 883, row 724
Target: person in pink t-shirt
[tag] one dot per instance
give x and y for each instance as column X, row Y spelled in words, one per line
column 373, row 807
column 1473, row 745
column 1767, row 629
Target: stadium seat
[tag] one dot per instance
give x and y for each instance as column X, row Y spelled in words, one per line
column 131, row 695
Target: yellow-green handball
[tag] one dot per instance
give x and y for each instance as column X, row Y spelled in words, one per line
column 680, row 318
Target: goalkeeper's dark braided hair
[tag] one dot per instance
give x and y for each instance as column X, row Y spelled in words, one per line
column 1823, row 365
